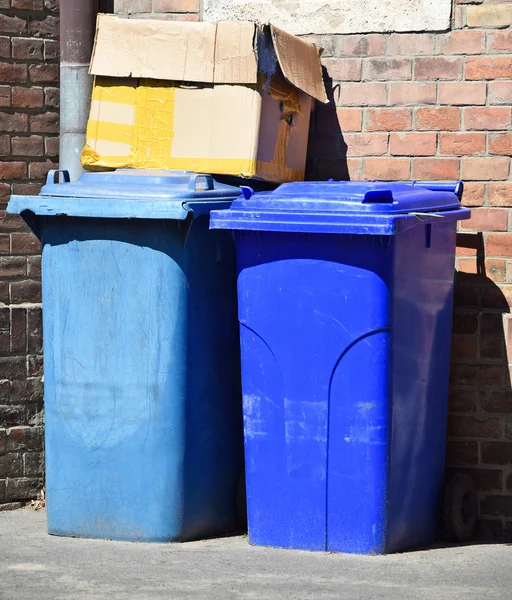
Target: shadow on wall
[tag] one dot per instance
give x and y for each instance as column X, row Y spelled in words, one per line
column 480, row 405
column 326, row 140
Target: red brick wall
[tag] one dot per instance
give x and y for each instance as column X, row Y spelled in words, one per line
column 438, row 106
column 29, row 100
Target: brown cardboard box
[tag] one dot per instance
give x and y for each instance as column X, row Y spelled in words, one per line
column 232, row 98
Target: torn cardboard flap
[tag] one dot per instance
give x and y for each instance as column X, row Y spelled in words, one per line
column 200, row 52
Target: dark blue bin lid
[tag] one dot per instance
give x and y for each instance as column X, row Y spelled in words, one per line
column 363, row 207
column 127, row 193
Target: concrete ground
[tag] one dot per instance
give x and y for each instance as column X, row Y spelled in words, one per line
column 34, row 565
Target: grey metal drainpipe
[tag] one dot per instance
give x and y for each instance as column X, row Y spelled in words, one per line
column 77, row 27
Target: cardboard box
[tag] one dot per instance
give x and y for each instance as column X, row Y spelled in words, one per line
column 232, row 98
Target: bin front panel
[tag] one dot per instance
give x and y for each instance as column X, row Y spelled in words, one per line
column 141, row 436
column 315, row 319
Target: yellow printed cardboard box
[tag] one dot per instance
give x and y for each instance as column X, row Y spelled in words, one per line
column 230, row 98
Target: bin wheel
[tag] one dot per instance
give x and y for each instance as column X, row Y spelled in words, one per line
column 460, row 508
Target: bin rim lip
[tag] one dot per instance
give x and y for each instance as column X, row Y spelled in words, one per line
column 122, row 208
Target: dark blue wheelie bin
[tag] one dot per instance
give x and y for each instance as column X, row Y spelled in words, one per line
column 345, row 305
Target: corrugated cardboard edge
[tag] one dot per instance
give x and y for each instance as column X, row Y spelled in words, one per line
column 155, row 49
column 300, row 62
column 235, row 55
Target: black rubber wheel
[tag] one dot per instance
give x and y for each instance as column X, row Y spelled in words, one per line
column 460, row 508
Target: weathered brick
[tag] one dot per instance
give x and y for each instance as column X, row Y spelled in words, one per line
column 5, row 243
column 51, row 50
column 33, row 464
column 492, row 345
column 437, row 119
column 343, row 69
column 460, row 144
column 176, row 6
column 13, row 24
column 46, row 27
column 5, row 95
column 487, row 219
column 366, row 144
column 12, row 367
column 5, row 47
column 500, row 143
column 362, row 45
column 497, row 453
column 27, row 49
column 387, row 169
column 461, row 453
column 43, row 73
column 477, row 375
column 13, row 170
column 133, row 6
column 12, row 73
column 484, row 169
column 26, row 391
column 474, row 427
column 25, row 243
column 11, row 465
column 484, row 479
column 463, row 400
column 51, row 97
column 27, row 97
column 413, row 144
column 488, row 67
column 25, row 291
column 500, row 92
column 34, row 330
column 462, row 93
column 24, row 189
column 412, row 43
column 12, row 266
column 363, row 94
column 488, row 15
column 465, row 323
column 39, row 170
column 44, row 123
column 384, row 69
column 464, row 348
column 35, row 365
column 22, row 488
column 27, row 146
column 432, row 169
column 412, row 92
column 500, row 194
column 497, row 402
column 51, row 144
column 438, row 67
column 28, row 439
column 34, row 266
column 500, row 41
column 462, row 42
column 5, row 145
column 27, row 4
column 497, row 244
column 388, row 119
column 5, row 192
column 18, row 330
column 488, row 118
column 13, row 122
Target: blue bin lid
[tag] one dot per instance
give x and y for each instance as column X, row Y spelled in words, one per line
column 364, row 207
column 127, row 193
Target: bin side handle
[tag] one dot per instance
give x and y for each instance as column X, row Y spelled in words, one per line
column 54, row 176
column 207, row 185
